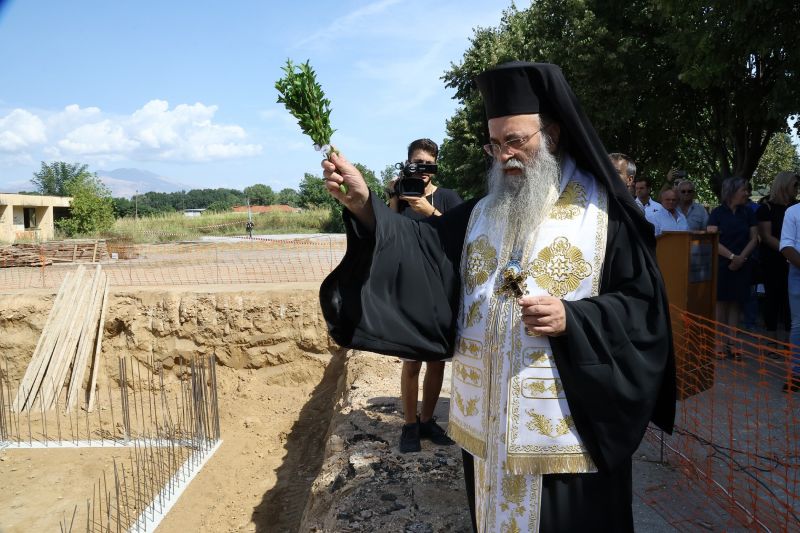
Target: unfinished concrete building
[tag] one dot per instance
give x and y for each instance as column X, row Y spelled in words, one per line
column 29, row 216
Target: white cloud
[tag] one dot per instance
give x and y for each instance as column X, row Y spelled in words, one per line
column 341, row 25
column 186, row 133
column 20, row 129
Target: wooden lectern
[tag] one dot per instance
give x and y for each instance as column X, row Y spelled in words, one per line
column 688, row 263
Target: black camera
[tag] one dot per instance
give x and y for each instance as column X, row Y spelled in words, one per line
column 680, row 174
column 410, row 182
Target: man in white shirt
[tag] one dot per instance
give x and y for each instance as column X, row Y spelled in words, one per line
column 643, row 200
column 790, row 248
column 669, row 217
column 696, row 215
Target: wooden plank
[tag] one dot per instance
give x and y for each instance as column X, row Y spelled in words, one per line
column 92, row 331
column 96, row 355
column 86, row 338
column 94, row 253
column 65, row 350
column 74, row 252
column 39, row 352
column 33, row 385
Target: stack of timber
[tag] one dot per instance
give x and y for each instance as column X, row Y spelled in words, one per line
column 70, row 339
column 17, row 256
column 69, row 251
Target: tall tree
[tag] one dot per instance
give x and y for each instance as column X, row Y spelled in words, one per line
column 313, row 192
column 655, row 80
column 260, row 194
column 372, row 181
column 52, row 178
column 740, row 61
column 779, row 156
column 288, row 196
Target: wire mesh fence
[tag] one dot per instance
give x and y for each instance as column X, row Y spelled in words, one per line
column 221, row 261
column 735, row 445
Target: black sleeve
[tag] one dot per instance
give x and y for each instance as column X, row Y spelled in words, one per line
column 616, row 358
column 763, row 213
column 450, row 199
column 396, row 290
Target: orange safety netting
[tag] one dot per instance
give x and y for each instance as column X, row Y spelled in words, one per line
column 222, row 261
column 735, row 451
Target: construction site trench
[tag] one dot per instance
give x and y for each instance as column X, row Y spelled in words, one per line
column 279, row 379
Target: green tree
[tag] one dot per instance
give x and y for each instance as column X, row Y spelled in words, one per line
column 372, row 181
column 91, row 209
column 260, row 194
column 388, row 174
column 313, row 192
column 779, row 156
column 694, row 87
column 288, row 197
column 52, row 178
column 123, row 207
column 740, row 62
column 220, row 206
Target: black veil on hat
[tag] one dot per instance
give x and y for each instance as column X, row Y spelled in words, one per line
column 520, row 87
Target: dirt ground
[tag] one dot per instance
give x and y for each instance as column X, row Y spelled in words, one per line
column 277, row 382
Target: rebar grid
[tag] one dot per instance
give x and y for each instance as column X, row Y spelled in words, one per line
column 168, row 438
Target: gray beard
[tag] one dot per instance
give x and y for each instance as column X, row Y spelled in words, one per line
column 518, row 204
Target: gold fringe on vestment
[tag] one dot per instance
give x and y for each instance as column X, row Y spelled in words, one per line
column 572, row 463
column 474, row 445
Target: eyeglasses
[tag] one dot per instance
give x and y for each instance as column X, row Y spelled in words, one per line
column 513, row 145
column 687, row 191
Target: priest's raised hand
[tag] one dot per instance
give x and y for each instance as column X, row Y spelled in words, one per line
column 337, row 171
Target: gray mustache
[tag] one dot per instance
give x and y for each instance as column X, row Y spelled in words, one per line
column 513, row 163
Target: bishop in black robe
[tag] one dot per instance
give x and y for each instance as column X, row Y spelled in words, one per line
column 398, row 287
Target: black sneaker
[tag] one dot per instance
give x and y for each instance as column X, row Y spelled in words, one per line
column 432, row 431
column 409, row 438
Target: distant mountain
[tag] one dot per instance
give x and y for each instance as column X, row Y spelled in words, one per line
column 124, row 182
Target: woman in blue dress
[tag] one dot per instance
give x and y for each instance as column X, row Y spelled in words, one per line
column 738, row 238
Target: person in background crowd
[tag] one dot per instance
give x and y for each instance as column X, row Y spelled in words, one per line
column 750, row 308
column 738, row 239
column 643, row 199
column 669, row 218
column 674, row 178
column 770, row 214
column 790, row 248
column 696, row 215
column 626, row 168
column 435, row 201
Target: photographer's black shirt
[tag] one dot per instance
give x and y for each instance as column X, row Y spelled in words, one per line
column 442, row 199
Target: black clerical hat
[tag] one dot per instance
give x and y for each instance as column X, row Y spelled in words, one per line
column 512, row 89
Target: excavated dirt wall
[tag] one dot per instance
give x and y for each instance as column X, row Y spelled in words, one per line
column 245, row 326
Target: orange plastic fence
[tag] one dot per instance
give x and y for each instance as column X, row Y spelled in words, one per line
column 735, row 453
column 223, row 261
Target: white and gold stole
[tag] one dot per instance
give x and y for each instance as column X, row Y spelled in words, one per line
column 508, row 405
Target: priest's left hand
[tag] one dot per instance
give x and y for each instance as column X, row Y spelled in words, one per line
column 543, row 315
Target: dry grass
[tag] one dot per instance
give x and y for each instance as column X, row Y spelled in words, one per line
column 175, row 226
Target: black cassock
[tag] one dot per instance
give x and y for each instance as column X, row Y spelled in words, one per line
column 397, row 292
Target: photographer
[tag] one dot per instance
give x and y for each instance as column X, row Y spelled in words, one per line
column 412, row 200
column 413, row 195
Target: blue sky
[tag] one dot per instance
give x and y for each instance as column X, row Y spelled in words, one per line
column 186, row 89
